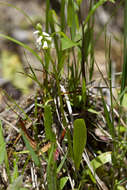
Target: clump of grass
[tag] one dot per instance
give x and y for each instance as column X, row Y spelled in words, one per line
column 71, row 136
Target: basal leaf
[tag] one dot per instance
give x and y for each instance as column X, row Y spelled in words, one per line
column 79, row 141
column 2, row 145
column 48, row 123
column 99, row 161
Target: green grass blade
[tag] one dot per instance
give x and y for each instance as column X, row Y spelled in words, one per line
column 3, row 153
column 47, row 15
column 2, row 145
column 124, row 72
column 61, row 164
column 92, row 11
column 52, row 26
column 71, row 18
column 79, row 141
column 32, row 152
column 15, row 173
column 51, row 170
column 107, row 117
column 84, row 95
column 63, row 26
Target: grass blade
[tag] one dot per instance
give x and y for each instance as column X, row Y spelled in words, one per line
column 32, row 152
column 107, row 117
column 124, row 75
column 3, row 153
column 51, row 171
column 92, row 11
column 2, row 146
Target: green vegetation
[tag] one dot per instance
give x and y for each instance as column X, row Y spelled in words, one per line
column 75, row 140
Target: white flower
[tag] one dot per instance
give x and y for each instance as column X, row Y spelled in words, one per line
column 36, row 34
column 39, row 40
column 47, row 36
column 48, row 39
column 45, row 45
column 43, row 40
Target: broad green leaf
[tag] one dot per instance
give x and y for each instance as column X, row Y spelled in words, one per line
column 124, row 101
column 67, row 43
column 100, row 161
column 79, row 140
column 48, row 123
column 32, row 152
column 63, row 182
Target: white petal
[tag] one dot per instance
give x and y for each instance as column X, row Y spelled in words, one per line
column 45, row 34
column 39, row 40
column 45, row 45
column 48, row 38
column 36, row 32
